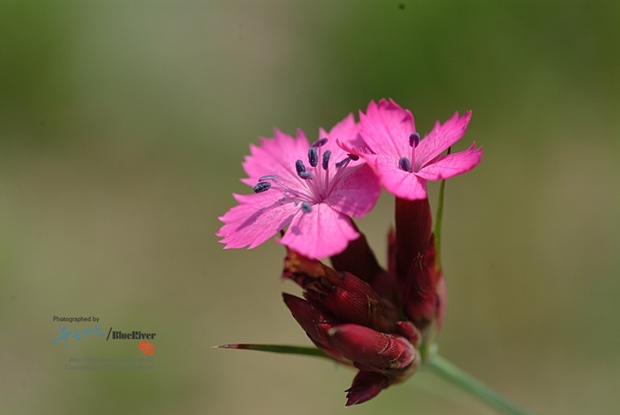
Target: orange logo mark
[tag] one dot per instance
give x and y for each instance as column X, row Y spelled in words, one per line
column 147, row 347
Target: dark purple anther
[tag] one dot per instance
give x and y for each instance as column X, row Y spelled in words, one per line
column 261, row 187
column 414, row 139
column 326, row 159
column 404, row 164
column 313, row 157
column 299, row 166
column 320, row 143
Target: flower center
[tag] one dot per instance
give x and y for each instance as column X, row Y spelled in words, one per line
column 405, row 163
column 317, row 181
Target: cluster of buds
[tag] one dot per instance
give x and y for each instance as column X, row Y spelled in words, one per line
column 362, row 315
column 379, row 321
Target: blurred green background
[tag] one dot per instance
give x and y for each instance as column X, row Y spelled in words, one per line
column 123, row 125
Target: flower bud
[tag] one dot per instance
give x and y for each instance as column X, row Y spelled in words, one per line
column 342, row 294
column 409, row 331
column 366, row 386
column 316, row 323
column 360, row 260
column 372, row 349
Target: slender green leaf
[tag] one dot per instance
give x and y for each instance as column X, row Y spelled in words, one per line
column 438, row 218
column 273, row 348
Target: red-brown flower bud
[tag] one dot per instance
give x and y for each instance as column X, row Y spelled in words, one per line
column 410, row 332
column 315, row 322
column 344, row 295
column 366, row 386
column 360, row 260
column 344, row 316
column 369, row 348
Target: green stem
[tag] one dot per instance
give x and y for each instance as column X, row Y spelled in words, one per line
column 438, row 218
column 448, row 371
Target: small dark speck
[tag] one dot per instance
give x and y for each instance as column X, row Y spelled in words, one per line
column 401, row 6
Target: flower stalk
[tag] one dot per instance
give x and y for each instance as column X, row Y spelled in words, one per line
column 438, row 218
column 446, row 370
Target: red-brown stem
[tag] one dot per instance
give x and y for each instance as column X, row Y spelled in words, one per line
column 413, row 232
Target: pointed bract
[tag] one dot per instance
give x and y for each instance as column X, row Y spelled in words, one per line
column 366, row 386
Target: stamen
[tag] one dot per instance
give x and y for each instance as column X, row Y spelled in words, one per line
column 343, row 162
column 261, row 187
column 318, row 185
column 313, row 157
column 320, row 143
column 414, row 140
column 404, row 164
column 326, row 159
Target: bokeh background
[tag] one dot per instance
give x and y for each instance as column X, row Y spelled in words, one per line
column 123, row 125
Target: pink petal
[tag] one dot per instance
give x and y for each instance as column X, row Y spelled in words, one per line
column 356, row 194
column 321, row 233
column 257, row 218
column 386, row 127
column 276, row 156
column 346, row 130
column 452, row 165
column 441, row 137
column 400, row 183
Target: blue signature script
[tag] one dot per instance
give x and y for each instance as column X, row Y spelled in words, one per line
column 77, row 334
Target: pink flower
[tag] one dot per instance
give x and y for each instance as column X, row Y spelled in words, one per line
column 314, row 198
column 390, row 144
